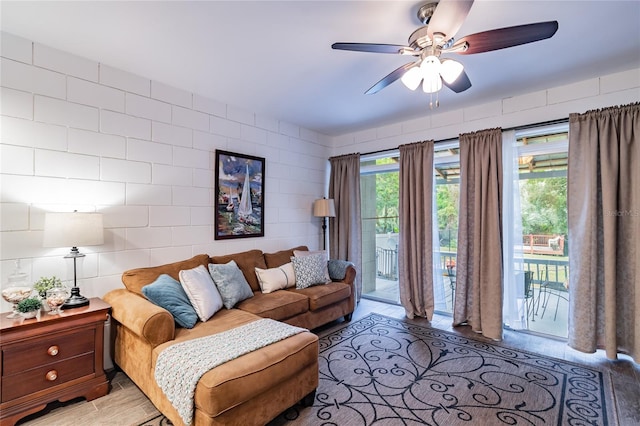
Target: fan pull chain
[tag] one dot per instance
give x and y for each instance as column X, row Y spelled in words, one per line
column 431, row 100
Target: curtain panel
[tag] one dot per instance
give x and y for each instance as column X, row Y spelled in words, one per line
column 478, row 297
column 345, row 230
column 415, row 253
column 514, row 307
column 604, row 228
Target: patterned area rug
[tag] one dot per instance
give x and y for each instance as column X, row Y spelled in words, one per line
column 156, row 420
column 381, row 371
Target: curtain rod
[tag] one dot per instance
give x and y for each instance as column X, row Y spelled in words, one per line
column 529, row 126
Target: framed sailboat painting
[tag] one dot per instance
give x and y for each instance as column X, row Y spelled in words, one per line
column 239, row 189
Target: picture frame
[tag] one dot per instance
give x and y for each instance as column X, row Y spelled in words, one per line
column 239, row 195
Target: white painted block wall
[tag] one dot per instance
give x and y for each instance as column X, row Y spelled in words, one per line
column 532, row 108
column 79, row 134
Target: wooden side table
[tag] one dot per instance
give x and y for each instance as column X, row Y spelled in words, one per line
column 51, row 358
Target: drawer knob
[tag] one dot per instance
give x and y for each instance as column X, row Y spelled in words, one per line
column 53, row 350
column 52, row 375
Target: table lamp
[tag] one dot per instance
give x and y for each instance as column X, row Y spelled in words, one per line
column 73, row 230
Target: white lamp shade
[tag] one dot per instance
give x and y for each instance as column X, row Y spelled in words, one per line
column 430, row 68
column 432, row 84
column 450, row 70
column 73, row 229
column 412, row 78
column 324, row 208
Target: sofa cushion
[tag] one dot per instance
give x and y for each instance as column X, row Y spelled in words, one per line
column 278, row 305
column 324, row 295
column 201, row 291
column 135, row 279
column 279, row 278
column 169, row 294
column 279, row 258
column 310, row 270
column 247, row 261
column 231, row 283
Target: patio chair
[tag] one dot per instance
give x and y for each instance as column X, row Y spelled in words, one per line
column 549, row 289
column 529, row 294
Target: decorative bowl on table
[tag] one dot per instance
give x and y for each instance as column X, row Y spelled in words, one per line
column 29, row 315
column 55, row 298
column 29, row 308
column 17, row 289
column 15, row 295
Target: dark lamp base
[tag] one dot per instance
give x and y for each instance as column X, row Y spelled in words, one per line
column 76, row 300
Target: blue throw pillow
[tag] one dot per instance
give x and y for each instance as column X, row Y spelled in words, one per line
column 231, row 283
column 169, row 294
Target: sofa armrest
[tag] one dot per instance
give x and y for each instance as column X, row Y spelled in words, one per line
column 341, row 270
column 350, row 275
column 151, row 322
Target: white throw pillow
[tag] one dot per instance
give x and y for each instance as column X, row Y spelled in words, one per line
column 279, row 278
column 201, row 291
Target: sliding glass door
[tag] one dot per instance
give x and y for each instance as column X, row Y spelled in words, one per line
column 445, row 243
column 379, row 193
column 535, row 246
column 535, row 230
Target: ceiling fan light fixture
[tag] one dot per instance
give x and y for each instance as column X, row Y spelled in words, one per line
column 412, row 78
column 432, row 84
column 450, row 70
column 430, row 69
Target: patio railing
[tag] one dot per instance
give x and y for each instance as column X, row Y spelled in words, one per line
column 554, row 271
column 387, row 263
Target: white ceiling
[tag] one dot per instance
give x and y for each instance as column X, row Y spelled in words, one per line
column 275, row 58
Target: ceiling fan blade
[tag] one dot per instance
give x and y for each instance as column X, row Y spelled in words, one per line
column 370, row 47
column 449, row 17
column 502, row 38
column 390, row 78
column 461, row 84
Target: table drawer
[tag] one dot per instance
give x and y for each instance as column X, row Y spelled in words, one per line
column 35, row 353
column 45, row 377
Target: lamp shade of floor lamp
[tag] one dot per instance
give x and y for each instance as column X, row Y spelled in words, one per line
column 73, row 230
column 324, row 208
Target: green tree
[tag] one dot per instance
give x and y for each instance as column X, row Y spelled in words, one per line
column 447, row 198
column 387, row 190
column 544, row 206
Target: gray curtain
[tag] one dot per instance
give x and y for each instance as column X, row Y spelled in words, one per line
column 478, row 295
column 345, row 230
column 415, row 254
column 604, row 228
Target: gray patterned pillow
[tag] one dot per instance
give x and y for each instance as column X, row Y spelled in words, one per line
column 232, row 285
column 310, row 270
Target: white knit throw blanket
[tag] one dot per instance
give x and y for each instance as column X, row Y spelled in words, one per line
column 180, row 366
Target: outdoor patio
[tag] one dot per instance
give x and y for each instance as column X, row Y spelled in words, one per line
column 552, row 320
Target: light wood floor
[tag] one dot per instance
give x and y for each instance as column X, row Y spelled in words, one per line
column 126, row 405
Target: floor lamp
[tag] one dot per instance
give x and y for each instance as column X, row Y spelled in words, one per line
column 73, row 229
column 324, row 208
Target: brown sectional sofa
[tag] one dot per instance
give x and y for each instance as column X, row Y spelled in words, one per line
column 253, row 388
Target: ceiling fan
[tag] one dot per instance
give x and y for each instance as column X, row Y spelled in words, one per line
column 441, row 21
